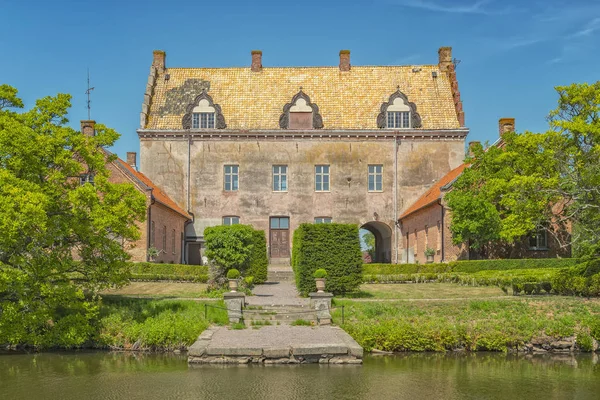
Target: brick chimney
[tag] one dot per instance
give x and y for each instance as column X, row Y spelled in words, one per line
column 256, row 61
column 131, row 159
column 445, row 58
column 345, row 60
column 472, row 145
column 88, row 127
column 159, row 60
column 506, row 125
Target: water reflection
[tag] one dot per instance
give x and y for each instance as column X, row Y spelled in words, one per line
column 94, row 375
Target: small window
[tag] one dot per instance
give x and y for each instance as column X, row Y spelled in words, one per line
column 86, row 178
column 538, row 240
column 280, row 223
column 322, row 178
column 280, row 178
column 173, row 241
column 164, row 238
column 323, row 220
column 203, row 120
column 398, row 119
column 231, row 220
column 231, row 178
column 375, row 178
column 152, row 234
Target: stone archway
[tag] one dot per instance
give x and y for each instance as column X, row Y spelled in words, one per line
column 383, row 241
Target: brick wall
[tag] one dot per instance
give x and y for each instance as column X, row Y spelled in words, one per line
column 169, row 222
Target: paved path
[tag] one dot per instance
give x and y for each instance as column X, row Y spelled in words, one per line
column 282, row 293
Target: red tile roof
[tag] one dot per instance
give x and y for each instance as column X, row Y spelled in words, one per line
column 158, row 194
column 434, row 193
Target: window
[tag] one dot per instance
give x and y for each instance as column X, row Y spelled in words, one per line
column 86, row 178
column 231, row 178
column 538, row 240
column 301, row 115
column 375, row 178
column 164, row 238
column 231, row 220
column 426, row 236
column 398, row 119
column 152, row 234
column 280, row 223
column 203, row 120
column 173, row 241
column 323, row 220
column 280, row 178
column 322, row 178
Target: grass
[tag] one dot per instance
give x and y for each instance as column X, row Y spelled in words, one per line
column 472, row 325
column 424, row 291
column 128, row 323
column 161, row 290
column 301, row 322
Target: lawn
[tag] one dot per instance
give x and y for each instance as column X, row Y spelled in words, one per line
column 417, row 291
column 473, row 325
column 161, row 290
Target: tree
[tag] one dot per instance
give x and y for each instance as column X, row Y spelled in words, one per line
column 369, row 241
column 228, row 246
column 535, row 180
column 61, row 241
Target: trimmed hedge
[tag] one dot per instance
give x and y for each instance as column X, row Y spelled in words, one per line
column 333, row 247
column 468, row 266
column 259, row 261
column 169, row 272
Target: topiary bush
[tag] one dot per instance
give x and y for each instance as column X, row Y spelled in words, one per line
column 333, row 247
column 259, row 261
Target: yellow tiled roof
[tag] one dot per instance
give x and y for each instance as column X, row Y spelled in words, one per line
column 346, row 100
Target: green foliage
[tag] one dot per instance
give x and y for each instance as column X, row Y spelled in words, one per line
column 259, row 261
column 536, row 181
column 320, row 273
column 229, row 246
column 301, row 322
column 170, row 272
column 233, row 274
column 429, row 252
column 581, row 280
column 48, row 219
column 333, row 247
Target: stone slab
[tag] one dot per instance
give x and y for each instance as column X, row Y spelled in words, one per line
column 319, row 348
column 232, row 350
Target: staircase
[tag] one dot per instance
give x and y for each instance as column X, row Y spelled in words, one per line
column 255, row 316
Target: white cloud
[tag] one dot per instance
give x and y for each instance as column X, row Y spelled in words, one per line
column 477, row 7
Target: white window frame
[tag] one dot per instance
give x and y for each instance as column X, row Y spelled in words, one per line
column 375, row 174
column 279, row 184
column 203, row 118
column 86, row 178
column 541, row 240
column 320, row 175
column 323, row 220
column 398, row 119
column 231, row 220
column 233, row 173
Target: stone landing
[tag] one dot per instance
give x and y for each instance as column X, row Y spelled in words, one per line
column 281, row 344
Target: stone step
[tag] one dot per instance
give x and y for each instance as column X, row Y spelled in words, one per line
column 277, row 276
column 279, row 261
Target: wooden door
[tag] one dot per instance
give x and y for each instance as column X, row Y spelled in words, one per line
column 279, row 238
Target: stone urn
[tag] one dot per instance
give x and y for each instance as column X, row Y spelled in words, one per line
column 233, row 285
column 429, row 259
column 320, row 284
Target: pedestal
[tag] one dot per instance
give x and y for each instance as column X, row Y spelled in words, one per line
column 322, row 303
column 234, row 302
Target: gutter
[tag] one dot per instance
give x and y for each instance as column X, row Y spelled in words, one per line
column 442, row 228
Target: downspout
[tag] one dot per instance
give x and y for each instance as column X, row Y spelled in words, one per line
column 149, row 225
column 395, row 200
column 442, row 228
column 184, row 257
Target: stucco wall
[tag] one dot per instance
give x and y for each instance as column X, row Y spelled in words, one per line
column 420, row 163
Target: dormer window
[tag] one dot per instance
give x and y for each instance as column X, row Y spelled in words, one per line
column 300, row 113
column 398, row 113
column 203, row 115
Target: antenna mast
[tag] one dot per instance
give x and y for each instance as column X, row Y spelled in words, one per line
column 88, row 92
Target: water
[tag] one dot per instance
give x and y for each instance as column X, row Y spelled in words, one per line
column 98, row 375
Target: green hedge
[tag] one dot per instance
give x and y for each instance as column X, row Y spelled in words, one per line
column 333, row 247
column 170, row 272
column 259, row 261
column 468, row 266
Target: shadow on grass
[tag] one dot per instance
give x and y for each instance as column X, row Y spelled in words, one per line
column 359, row 294
column 140, row 308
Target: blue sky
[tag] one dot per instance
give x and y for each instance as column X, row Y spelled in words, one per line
column 512, row 53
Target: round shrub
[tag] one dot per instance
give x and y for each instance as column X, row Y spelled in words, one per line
column 233, row 274
column 320, row 273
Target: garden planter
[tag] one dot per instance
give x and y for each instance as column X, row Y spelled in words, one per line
column 320, row 285
column 233, row 285
column 430, row 259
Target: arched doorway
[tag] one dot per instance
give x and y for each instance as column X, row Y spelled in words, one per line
column 382, row 233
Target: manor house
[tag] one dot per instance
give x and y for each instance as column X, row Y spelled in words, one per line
column 275, row 147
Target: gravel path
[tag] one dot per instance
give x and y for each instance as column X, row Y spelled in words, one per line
column 282, row 293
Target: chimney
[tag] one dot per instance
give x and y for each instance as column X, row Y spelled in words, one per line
column 131, row 158
column 256, row 61
column 88, row 128
column 506, row 125
column 472, row 146
column 159, row 60
column 344, row 60
column 445, row 58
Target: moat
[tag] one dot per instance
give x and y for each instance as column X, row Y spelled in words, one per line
column 104, row 375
